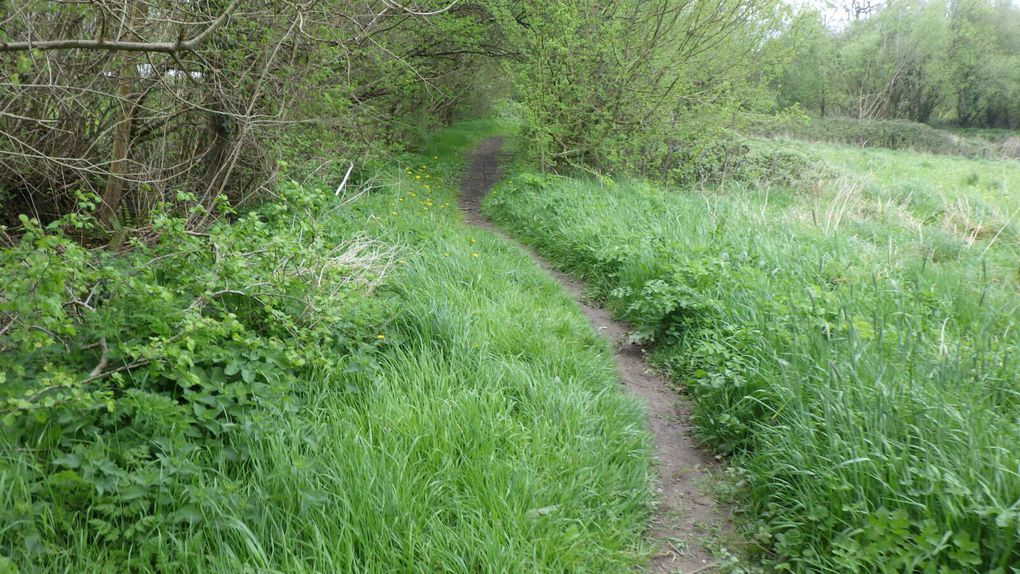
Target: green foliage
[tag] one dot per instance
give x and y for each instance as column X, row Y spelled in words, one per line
column 803, row 79
column 333, row 80
column 622, row 85
column 984, row 59
column 728, row 158
column 864, row 388
column 280, row 415
column 912, row 60
column 663, row 310
column 124, row 374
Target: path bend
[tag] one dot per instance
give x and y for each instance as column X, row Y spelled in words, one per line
column 688, row 520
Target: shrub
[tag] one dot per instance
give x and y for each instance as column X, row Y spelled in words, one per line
column 123, row 374
column 1011, row 147
column 727, row 158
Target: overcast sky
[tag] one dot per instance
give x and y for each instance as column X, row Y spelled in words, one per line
column 837, row 12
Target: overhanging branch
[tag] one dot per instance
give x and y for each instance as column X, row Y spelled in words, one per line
column 122, row 45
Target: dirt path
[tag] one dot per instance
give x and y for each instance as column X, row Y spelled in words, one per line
column 687, row 518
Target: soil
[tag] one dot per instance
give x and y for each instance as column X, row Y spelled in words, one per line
column 688, row 519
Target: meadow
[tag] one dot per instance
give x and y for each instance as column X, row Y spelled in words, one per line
column 849, row 340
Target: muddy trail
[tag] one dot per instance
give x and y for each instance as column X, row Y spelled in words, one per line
column 688, row 521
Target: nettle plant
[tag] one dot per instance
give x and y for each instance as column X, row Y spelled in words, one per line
column 121, row 375
column 665, row 308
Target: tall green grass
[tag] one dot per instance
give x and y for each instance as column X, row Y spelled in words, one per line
column 484, row 433
column 858, row 363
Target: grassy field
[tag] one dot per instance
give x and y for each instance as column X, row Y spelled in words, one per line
column 929, row 182
column 953, row 207
column 481, row 429
column 851, row 342
column 893, row 134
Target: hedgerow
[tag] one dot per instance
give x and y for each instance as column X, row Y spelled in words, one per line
column 727, row 158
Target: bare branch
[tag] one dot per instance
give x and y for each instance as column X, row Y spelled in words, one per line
column 124, row 46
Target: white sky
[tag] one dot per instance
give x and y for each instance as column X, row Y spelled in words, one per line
column 836, row 13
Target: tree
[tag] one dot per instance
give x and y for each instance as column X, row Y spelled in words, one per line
column 984, row 54
column 606, row 83
column 911, row 59
column 145, row 101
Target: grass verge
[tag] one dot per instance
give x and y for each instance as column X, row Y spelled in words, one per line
column 858, row 363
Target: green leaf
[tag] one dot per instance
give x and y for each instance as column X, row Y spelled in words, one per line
column 70, row 460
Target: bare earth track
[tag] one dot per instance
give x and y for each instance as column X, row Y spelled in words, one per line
column 687, row 516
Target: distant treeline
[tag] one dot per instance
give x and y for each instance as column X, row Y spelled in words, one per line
column 126, row 105
column 953, row 61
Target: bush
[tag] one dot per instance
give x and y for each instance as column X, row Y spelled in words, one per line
column 727, row 158
column 1010, row 147
column 124, row 374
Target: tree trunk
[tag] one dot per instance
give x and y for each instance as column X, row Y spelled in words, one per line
column 115, row 181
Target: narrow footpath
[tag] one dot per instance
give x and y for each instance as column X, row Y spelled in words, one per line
column 688, row 521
